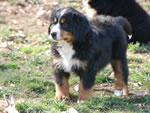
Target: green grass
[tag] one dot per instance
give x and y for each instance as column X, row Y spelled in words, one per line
column 5, row 33
column 29, row 70
column 139, row 48
column 145, row 5
column 103, row 76
column 111, row 103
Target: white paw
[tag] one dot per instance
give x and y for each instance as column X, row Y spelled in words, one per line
column 76, row 88
column 118, row 92
column 80, row 101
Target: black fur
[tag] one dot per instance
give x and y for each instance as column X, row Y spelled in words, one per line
column 84, row 29
column 139, row 19
column 97, row 42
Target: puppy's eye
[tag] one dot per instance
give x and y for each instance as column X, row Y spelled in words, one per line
column 63, row 20
column 55, row 20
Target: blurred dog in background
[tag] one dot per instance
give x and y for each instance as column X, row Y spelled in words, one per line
column 130, row 9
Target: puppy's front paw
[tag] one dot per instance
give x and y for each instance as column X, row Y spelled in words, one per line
column 61, row 96
column 82, row 98
column 84, row 94
column 118, row 92
column 80, row 101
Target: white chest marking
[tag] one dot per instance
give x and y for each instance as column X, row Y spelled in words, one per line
column 66, row 51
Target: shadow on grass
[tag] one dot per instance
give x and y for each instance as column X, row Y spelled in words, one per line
column 143, row 49
column 109, row 104
column 107, row 91
column 132, row 104
column 10, row 65
column 3, row 67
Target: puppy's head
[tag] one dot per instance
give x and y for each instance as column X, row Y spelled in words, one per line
column 68, row 24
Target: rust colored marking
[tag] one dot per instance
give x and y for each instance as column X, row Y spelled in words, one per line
column 119, row 83
column 56, row 60
column 67, row 36
column 62, row 92
column 84, row 93
column 55, row 20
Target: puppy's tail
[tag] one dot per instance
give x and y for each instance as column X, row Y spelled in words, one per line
column 125, row 25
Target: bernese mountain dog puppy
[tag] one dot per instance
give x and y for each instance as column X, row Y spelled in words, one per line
column 130, row 9
column 85, row 48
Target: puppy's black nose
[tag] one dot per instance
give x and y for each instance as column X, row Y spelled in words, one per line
column 53, row 34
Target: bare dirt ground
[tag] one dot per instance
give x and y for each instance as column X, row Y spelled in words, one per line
column 29, row 17
column 32, row 18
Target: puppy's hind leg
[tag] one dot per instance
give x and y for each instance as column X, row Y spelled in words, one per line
column 121, row 74
column 125, row 73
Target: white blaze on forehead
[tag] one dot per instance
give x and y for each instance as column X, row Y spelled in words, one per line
column 63, row 12
column 89, row 11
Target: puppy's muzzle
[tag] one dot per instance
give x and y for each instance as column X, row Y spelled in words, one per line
column 54, row 35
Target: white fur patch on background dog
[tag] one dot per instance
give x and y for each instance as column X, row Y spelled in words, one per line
column 89, row 11
column 63, row 12
column 130, row 36
column 66, row 51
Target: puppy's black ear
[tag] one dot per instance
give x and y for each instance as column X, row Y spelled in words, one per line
column 49, row 30
column 81, row 26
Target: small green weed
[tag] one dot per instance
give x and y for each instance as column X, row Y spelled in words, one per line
column 59, row 105
column 13, row 56
column 5, row 32
column 27, row 49
column 133, row 47
column 36, row 60
column 139, row 48
column 36, row 87
column 22, row 107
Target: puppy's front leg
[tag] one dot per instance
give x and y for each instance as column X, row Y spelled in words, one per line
column 62, row 86
column 86, row 84
column 84, row 93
